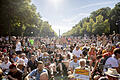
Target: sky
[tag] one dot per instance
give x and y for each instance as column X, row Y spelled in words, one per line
column 64, row 14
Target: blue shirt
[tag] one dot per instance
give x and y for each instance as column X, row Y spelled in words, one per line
column 15, row 59
column 36, row 73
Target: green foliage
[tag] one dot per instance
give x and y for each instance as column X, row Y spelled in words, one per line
column 100, row 21
column 46, row 30
column 114, row 16
column 19, row 18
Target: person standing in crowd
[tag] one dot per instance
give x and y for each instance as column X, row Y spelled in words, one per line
column 37, row 72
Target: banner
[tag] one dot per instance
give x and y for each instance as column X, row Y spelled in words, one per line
column 81, row 74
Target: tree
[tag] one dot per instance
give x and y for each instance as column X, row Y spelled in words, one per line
column 114, row 16
column 90, row 26
column 19, row 16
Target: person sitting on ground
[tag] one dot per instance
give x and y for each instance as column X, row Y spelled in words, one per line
column 30, row 53
column 44, row 76
column 18, row 47
column 77, row 52
column 82, row 63
column 74, row 63
column 24, row 58
column 32, row 64
column 46, row 59
column 21, row 65
column 58, row 63
column 5, row 64
column 14, row 58
column 92, row 56
column 112, row 74
column 81, row 67
column 65, row 61
column 39, row 54
column 43, row 48
column 97, row 71
column 37, row 72
column 14, row 73
column 112, row 62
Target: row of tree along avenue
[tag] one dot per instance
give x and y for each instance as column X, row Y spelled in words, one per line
column 104, row 20
column 19, row 18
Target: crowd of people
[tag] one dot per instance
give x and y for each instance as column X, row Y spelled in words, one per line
column 37, row 58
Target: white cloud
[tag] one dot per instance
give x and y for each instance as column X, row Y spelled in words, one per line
column 68, row 23
column 76, row 17
column 96, row 4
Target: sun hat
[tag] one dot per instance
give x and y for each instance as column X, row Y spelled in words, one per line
column 118, row 43
column 112, row 72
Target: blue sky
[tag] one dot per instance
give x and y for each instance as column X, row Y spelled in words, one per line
column 64, row 14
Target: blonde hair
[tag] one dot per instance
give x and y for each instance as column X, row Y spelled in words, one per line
column 44, row 76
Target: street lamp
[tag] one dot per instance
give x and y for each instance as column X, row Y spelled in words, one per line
column 118, row 24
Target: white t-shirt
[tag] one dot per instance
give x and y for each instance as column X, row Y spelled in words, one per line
column 71, row 55
column 74, row 65
column 111, row 62
column 77, row 53
column 18, row 47
column 26, row 61
column 5, row 66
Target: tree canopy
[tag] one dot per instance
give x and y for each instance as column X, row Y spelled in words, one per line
column 19, row 18
column 100, row 21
